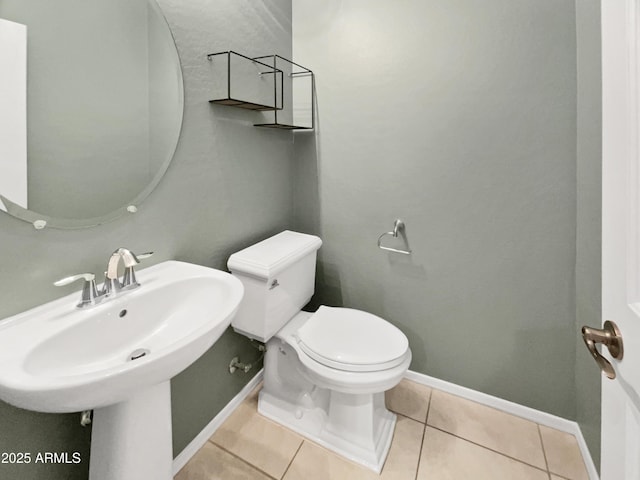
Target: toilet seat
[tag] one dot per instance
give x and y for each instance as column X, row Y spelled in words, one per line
column 351, row 340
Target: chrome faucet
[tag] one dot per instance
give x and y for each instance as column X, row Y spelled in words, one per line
column 112, row 285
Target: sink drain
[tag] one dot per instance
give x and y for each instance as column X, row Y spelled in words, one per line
column 139, row 353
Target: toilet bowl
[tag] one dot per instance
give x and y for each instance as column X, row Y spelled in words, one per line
column 325, row 372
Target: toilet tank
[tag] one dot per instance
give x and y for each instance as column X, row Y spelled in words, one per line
column 278, row 275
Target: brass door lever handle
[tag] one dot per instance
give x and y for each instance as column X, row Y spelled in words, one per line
column 611, row 338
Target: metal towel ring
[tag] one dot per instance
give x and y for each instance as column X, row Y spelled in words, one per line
column 398, row 229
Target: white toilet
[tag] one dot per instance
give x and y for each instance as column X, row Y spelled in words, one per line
column 326, row 372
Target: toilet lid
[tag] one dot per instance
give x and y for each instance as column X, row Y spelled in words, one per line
column 352, row 340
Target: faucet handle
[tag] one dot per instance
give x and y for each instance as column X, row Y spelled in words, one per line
column 87, row 277
column 129, row 278
column 89, row 291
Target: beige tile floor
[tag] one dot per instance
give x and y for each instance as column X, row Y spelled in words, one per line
column 438, row 437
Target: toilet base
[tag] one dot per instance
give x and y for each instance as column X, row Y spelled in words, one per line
column 356, row 426
column 341, row 410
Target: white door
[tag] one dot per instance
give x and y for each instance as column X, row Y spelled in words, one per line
column 621, row 235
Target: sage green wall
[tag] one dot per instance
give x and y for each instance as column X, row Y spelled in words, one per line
column 228, row 186
column 460, row 118
column 589, row 206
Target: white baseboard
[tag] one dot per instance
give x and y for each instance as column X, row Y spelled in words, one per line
column 528, row 413
column 197, row 443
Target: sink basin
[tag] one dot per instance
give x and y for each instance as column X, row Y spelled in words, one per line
column 56, row 358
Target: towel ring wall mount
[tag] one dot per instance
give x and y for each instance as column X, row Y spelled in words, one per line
column 398, row 231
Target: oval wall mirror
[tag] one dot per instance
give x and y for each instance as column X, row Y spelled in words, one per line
column 97, row 124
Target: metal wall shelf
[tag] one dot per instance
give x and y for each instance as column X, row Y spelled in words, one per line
column 252, row 88
column 282, row 126
column 232, row 102
column 279, row 86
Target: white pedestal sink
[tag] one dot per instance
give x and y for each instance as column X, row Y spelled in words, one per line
column 56, row 358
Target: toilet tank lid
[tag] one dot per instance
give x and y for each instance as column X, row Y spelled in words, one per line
column 269, row 257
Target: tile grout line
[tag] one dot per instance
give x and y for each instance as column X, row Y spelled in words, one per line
column 428, row 406
column 490, row 449
column 424, row 432
column 242, row 459
column 544, row 452
column 407, row 417
column 538, row 426
column 486, row 406
column 292, row 459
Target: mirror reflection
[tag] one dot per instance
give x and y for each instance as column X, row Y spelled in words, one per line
column 92, row 106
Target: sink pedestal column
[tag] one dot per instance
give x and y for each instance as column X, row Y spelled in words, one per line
column 131, row 440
